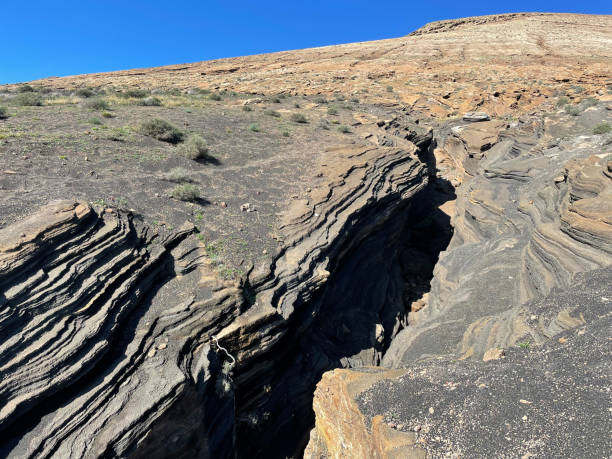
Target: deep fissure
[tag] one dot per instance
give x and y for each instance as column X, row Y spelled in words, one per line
column 349, row 323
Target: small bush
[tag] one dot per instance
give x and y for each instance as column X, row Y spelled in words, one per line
column 355, row 100
column 602, row 128
column 563, row 100
column 323, row 124
column 177, row 175
column 572, row 110
column 84, row 93
column 107, row 115
column 186, row 192
column 194, row 148
column 285, row 133
column 3, row 113
column 320, row 100
column 150, row 102
column 25, row 88
column 95, row 121
column 97, row 104
column 136, row 93
column 332, row 111
column 589, row 102
column 275, row 100
column 273, row 113
column 162, row 130
column 344, row 129
column 254, row 128
column 578, row 89
column 246, row 108
column 296, row 105
column 298, row 118
column 215, row 96
column 389, row 88
column 28, row 99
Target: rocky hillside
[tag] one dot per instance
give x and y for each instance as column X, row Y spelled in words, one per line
column 390, row 249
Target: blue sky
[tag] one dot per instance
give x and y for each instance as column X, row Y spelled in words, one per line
column 43, row 38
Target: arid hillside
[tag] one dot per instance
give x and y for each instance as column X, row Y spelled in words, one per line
column 502, row 64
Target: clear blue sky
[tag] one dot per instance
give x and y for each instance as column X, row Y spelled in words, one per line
column 43, row 38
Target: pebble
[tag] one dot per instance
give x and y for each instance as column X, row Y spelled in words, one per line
column 162, row 346
column 431, row 410
column 223, row 204
column 151, row 353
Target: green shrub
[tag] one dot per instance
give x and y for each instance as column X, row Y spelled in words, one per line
column 332, row 111
column 177, row 175
column 95, row 121
column 186, row 192
column 578, row 89
column 344, row 129
column 246, row 108
column 355, row 100
column 320, row 100
column 323, row 124
column 150, row 102
column 84, row 93
column 563, row 100
column 97, row 104
column 389, row 88
column 194, row 148
column 25, row 88
column 273, row 113
column 161, row 130
column 107, row 115
column 602, row 128
column 254, row 128
column 296, row 105
column 215, row 96
column 3, row 113
column 589, row 102
column 285, row 133
column 136, row 93
column 275, row 100
column 572, row 110
column 28, row 99
column 298, row 118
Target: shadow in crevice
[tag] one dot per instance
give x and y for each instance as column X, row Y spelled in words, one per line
column 371, row 289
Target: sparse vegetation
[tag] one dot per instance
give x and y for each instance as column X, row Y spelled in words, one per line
column 95, row 121
column 320, row 100
column 563, row 100
column 3, row 113
column 275, row 100
column 285, row 133
column 572, row 110
column 389, row 88
column 162, row 130
column 135, row 93
column 107, row 114
column 602, row 128
column 215, row 96
column 84, row 93
column 177, row 175
column 273, row 113
column 25, row 88
column 194, row 148
column 332, row 111
column 28, row 99
column 246, row 108
column 150, row 102
column 589, row 102
column 186, row 192
column 524, row 345
column 344, row 129
column 97, row 104
column 298, row 118
column 254, row 128
column 578, row 89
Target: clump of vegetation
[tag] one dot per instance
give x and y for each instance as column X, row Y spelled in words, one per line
column 107, row 115
column 578, row 89
column 572, row 110
column 389, row 88
column 589, row 102
column 95, row 121
column 97, row 104
column 178, row 175
column 275, row 100
column 320, row 100
column 186, row 192
column 136, row 93
column 3, row 113
column 273, row 113
column 194, row 148
column 25, row 88
column 296, row 105
column 602, row 128
column 150, row 102
column 332, row 111
column 323, row 124
column 246, row 108
column 344, row 129
column 215, row 96
column 298, row 118
column 563, row 100
column 285, row 133
column 355, row 100
column 254, row 128
column 28, row 99
column 85, row 93
column 161, row 130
